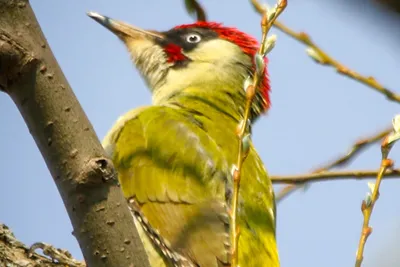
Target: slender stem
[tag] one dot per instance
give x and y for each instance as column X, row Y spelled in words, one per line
column 266, row 24
column 367, row 209
column 235, row 230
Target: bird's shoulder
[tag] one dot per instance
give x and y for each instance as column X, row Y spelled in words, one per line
column 169, row 138
column 177, row 174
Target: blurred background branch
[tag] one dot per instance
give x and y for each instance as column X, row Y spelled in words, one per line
column 323, row 58
column 322, row 173
column 391, row 5
column 195, row 9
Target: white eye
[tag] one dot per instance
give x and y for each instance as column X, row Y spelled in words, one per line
column 193, row 38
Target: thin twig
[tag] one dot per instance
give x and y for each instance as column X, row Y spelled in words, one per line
column 285, row 192
column 194, row 7
column 323, row 58
column 355, row 150
column 341, row 161
column 332, row 175
column 368, row 204
column 242, row 130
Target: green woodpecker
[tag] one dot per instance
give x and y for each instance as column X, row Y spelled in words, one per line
column 175, row 158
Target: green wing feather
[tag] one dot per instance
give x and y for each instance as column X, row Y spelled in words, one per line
column 176, row 175
column 178, row 168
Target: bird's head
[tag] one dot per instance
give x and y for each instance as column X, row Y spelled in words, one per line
column 190, row 55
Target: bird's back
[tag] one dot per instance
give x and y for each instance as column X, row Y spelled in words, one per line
column 176, row 164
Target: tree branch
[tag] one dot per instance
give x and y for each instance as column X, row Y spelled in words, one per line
column 85, row 178
column 355, row 150
column 322, row 173
column 334, row 175
column 321, row 57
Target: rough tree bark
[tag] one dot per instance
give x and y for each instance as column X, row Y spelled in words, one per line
column 13, row 253
column 85, row 178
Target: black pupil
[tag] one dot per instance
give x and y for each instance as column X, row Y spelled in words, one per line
column 193, row 38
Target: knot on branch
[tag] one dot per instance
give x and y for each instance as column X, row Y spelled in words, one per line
column 7, row 236
column 96, row 172
column 14, row 61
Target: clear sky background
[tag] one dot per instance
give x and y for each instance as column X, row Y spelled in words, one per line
column 316, row 115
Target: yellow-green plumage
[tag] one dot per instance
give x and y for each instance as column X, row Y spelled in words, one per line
column 177, row 159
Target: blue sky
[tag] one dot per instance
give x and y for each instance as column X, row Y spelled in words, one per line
column 316, row 115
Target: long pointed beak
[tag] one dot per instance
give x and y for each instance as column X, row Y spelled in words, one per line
column 123, row 29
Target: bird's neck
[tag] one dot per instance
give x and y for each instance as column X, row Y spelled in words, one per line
column 207, row 88
column 215, row 103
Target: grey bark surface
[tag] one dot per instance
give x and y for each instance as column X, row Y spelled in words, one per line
column 85, row 178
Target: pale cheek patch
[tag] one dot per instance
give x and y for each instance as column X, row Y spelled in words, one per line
column 150, row 60
column 137, row 47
